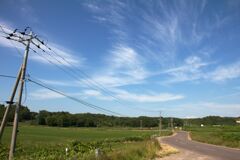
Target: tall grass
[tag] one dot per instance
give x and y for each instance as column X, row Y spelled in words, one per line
column 219, row 135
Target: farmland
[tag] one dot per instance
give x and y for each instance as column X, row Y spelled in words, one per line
column 50, row 142
column 219, row 135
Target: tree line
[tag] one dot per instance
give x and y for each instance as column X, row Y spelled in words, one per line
column 66, row 119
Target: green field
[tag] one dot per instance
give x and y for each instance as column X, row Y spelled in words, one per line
column 40, row 135
column 39, row 141
column 219, row 135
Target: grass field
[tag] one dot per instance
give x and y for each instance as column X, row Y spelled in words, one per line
column 40, row 135
column 218, row 135
column 39, row 141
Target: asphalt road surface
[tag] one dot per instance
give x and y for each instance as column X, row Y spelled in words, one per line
column 180, row 140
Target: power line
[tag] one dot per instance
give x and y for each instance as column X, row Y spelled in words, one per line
column 7, row 76
column 11, row 41
column 39, row 83
column 59, row 92
column 73, row 74
column 83, row 74
column 87, row 81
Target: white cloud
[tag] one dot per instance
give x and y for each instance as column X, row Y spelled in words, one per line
column 190, row 70
column 223, row 73
column 134, row 97
column 91, row 93
column 160, row 29
column 61, row 83
column 194, row 68
column 153, row 97
column 124, row 67
column 44, row 94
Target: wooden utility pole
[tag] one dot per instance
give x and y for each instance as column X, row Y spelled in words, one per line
column 160, row 123
column 10, row 102
column 26, row 38
column 172, row 124
column 16, row 116
column 141, row 124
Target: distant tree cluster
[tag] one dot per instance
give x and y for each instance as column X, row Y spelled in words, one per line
column 24, row 113
column 66, row 119
column 212, row 120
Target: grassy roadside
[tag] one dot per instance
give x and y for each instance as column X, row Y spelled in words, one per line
column 219, row 135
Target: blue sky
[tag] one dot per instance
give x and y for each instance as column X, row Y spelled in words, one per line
column 180, row 57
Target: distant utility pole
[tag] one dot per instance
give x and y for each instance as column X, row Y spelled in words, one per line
column 172, row 124
column 160, row 123
column 26, row 38
column 141, row 124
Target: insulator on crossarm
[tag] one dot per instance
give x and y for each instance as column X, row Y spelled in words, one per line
column 26, row 29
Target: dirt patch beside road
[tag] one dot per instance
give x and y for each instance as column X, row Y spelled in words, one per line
column 186, row 155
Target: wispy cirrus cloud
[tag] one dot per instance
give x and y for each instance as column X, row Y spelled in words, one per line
column 124, row 66
column 160, row 26
column 44, row 94
column 135, row 97
column 161, row 29
column 194, row 68
column 225, row 72
column 61, row 83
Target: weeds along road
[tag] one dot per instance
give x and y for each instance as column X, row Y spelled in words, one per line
column 181, row 141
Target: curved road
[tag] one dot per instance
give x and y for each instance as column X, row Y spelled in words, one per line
column 180, row 140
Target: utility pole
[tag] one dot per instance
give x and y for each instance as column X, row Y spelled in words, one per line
column 160, row 123
column 172, row 124
column 141, row 124
column 10, row 102
column 26, row 38
column 16, row 116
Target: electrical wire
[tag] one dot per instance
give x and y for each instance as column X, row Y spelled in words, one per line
column 39, row 83
column 88, row 81
column 75, row 77
column 7, row 76
column 14, row 46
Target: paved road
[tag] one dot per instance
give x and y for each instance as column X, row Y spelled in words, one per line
column 180, row 140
